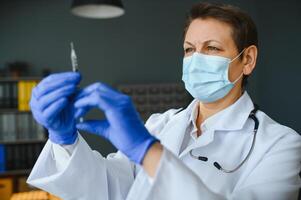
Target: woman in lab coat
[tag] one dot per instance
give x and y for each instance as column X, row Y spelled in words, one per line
column 219, row 147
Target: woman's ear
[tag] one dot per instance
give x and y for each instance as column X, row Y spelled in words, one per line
column 249, row 59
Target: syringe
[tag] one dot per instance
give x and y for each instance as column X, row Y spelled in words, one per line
column 73, row 58
column 74, row 66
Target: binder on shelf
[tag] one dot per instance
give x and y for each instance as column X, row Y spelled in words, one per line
column 1, row 95
column 9, row 157
column 16, row 158
column 23, row 156
column 24, row 94
column 28, row 85
column 2, row 158
column 14, row 93
column 8, row 127
column 6, row 94
column 29, row 160
column 21, row 96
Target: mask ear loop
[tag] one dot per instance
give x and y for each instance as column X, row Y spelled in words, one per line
column 233, row 60
column 238, row 55
column 238, row 78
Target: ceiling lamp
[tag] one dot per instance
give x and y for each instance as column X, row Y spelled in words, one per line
column 98, row 9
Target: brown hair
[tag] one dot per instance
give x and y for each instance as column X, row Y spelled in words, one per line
column 244, row 31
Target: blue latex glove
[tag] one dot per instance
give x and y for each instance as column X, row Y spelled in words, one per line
column 122, row 126
column 52, row 106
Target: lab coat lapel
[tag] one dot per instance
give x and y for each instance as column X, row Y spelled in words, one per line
column 173, row 133
column 207, row 138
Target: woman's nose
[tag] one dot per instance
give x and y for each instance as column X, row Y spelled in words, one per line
column 199, row 48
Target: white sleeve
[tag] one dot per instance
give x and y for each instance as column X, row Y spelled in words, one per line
column 62, row 154
column 82, row 174
column 171, row 169
column 275, row 177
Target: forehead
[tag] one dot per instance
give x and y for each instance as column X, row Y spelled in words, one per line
column 201, row 30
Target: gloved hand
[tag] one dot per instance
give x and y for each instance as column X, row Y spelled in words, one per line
column 52, row 107
column 122, row 126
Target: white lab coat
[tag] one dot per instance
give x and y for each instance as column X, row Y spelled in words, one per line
column 271, row 172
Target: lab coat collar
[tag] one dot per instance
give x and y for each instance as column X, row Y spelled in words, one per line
column 231, row 118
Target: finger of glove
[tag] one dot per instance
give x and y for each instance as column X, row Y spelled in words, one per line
column 33, row 103
column 56, row 107
column 43, row 118
column 38, row 116
column 98, row 127
column 102, row 87
column 96, row 99
column 36, row 112
column 47, row 99
column 55, row 81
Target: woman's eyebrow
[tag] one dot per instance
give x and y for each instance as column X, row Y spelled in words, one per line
column 208, row 41
column 189, row 43
column 204, row 42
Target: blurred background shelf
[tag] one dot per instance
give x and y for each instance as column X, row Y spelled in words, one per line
column 20, row 172
column 15, row 79
column 24, row 141
column 12, row 110
column 21, row 138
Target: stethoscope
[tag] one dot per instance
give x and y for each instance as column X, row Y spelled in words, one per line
column 216, row 164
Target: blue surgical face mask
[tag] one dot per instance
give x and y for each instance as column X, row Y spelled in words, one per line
column 206, row 76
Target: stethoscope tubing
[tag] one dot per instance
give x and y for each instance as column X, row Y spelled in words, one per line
column 252, row 115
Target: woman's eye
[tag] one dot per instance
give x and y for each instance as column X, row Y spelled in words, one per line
column 212, row 48
column 188, row 50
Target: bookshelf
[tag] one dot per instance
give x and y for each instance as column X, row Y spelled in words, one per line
column 21, row 138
